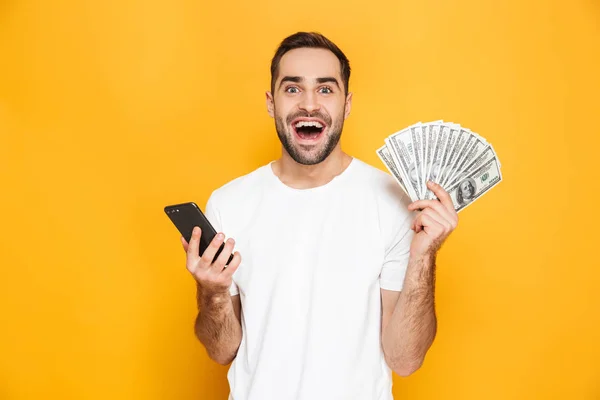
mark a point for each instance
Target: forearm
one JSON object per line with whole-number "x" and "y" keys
{"x": 412, "y": 326}
{"x": 217, "y": 327}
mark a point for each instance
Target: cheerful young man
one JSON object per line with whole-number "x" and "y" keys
{"x": 332, "y": 284}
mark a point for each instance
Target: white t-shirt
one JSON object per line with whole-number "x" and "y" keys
{"x": 313, "y": 263}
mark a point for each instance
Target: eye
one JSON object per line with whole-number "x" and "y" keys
{"x": 292, "y": 89}
{"x": 325, "y": 89}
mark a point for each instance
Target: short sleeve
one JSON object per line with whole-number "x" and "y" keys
{"x": 396, "y": 257}
{"x": 213, "y": 216}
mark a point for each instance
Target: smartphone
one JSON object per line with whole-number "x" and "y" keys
{"x": 185, "y": 217}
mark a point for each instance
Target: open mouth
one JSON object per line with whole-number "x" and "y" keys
{"x": 308, "y": 129}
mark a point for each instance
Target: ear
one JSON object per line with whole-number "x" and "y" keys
{"x": 270, "y": 104}
{"x": 348, "y": 105}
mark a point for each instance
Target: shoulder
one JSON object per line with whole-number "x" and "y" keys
{"x": 239, "y": 187}
{"x": 382, "y": 185}
{"x": 386, "y": 199}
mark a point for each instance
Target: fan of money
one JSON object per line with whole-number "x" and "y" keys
{"x": 459, "y": 160}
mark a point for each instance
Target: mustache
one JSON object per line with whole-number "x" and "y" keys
{"x": 317, "y": 114}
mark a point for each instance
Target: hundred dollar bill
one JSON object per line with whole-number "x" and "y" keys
{"x": 433, "y": 134}
{"x": 402, "y": 152}
{"x": 475, "y": 149}
{"x": 468, "y": 144}
{"x": 384, "y": 154}
{"x": 416, "y": 136}
{"x": 438, "y": 156}
{"x": 452, "y": 132}
{"x": 481, "y": 159}
{"x": 455, "y": 153}
{"x": 426, "y": 139}
{"x": 474, "y": 185}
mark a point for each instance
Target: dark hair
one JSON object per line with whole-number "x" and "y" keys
{"x": 312, "y": 40}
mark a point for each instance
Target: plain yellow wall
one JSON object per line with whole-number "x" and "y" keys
{"x": 110, "y": 110}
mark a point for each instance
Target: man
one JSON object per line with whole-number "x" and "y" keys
{"x": 332, "y": 286}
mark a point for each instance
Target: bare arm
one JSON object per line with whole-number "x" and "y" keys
{"x": 409, "y": 323}
{"x": 217, "y": 325}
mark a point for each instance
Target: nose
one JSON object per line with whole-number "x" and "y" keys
{"x": 309, "y": 102}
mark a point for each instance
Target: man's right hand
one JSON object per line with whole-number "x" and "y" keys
{"x": 214, "y": 278}
{"x": 217, "y": 325}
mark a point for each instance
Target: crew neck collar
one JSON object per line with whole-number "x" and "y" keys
{"x": 338, "y": 178}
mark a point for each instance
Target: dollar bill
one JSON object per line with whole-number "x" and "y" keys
{"x": 424, "y": 138}
{"x": 438, "y": 156}
{"x": 425, "y": 149}
{"x": 386, "y": 157}
{"x": 474, "y": 185}
{"x": 476, "y": 146}
{"x": 455, "y": 157}
{"x": 433, "y": 143}
{"x": 402, "y": 152}
{"x": 457, "y": 149}
{"x": 469, "y": 142}
{"x": 453, "y": 133}
{"x": 416, "y": 136}
{"x": 425, "y": 128}
{"x": 484, "y": 157}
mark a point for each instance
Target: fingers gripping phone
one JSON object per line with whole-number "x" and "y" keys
{"x": 185, "y": 217}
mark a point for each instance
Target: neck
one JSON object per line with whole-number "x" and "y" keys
{"x": 300, "y": 176}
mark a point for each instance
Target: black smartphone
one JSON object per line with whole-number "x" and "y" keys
{"x": 185, "y": 217}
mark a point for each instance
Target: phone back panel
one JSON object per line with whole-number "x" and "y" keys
{"x": 187, "y": 215}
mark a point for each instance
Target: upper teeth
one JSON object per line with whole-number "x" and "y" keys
{"x": 309, "y": 123}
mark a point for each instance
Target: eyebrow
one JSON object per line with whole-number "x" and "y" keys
{"x": 295, "y": 79}
{"x": 329, "y": 79}
{"x": 298, "y": 79}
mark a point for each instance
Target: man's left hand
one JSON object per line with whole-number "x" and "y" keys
{"x": 436, "y": 220}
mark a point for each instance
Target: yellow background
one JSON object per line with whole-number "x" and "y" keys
{"x": 111, "y": 110}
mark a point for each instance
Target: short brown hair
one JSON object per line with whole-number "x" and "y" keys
{"x": 312, "y": 40}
